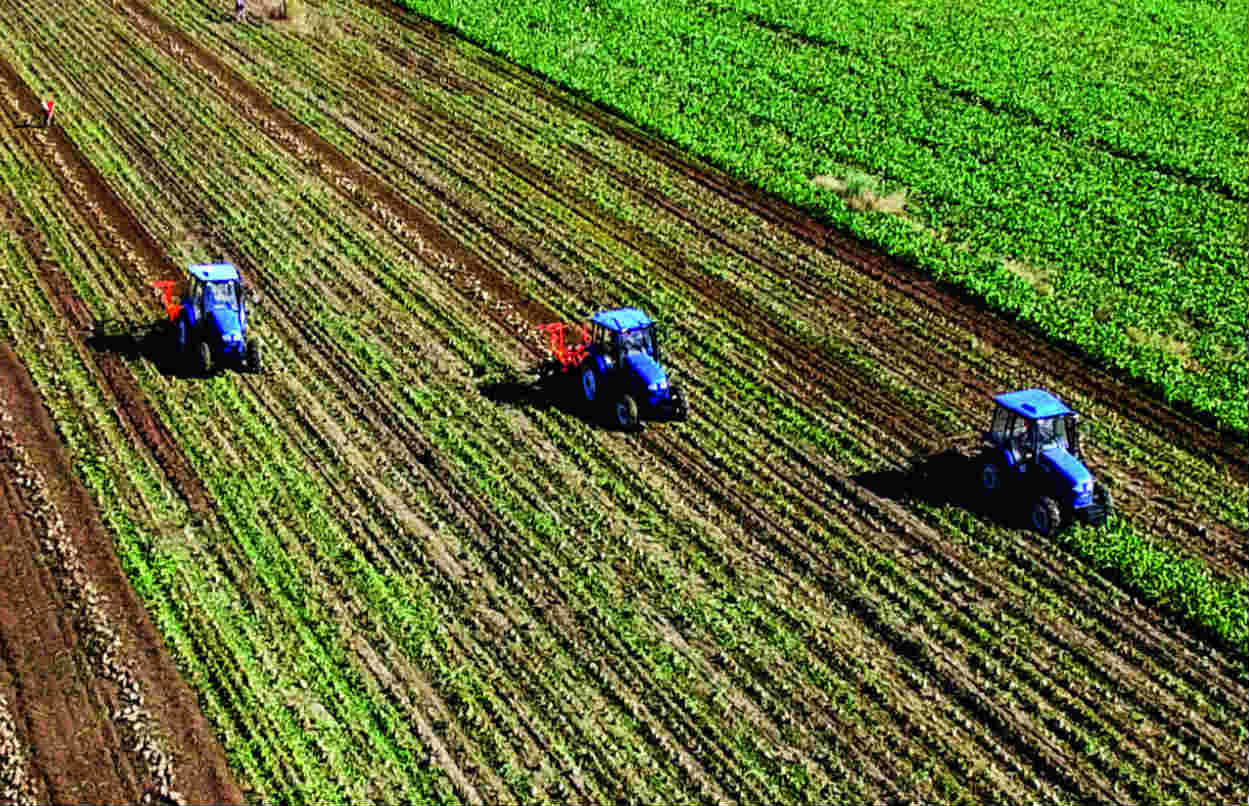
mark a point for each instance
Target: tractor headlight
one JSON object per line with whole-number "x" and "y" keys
{"x": 658, "y": 385}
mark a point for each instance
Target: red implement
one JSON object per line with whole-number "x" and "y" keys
{"x": 568, "y": 355}
{"x": 172, "y": 308}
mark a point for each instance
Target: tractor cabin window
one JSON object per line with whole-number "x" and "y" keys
{"x": 1018, "y": 438}
{"x": 997, "y": 431}
{"x": 223, "y": 294}
{"x": 638, "y": 340}
{"x": 1052, "y": 433}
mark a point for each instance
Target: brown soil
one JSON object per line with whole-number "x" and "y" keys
{"x": 64, "y": 708}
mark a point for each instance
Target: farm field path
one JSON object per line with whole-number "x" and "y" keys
{"x": 66, "y": 598}
{"x": 523, "y": 603}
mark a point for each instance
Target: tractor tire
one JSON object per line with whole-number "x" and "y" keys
{"x": 990, "y": 478}
{"x": 589, "y": 383}
{"x": 205, "y": 358}
{"x": 253, "y": 357}
{"x": 182, "y": 335}
{"x": 627, "y": 412}
{"x": 1102, "y": 496}
{"x": 1046, "y": 516}
{"x": 680, "y": 406}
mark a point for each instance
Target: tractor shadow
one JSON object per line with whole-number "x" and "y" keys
{"x": 152, "y": 342}
{"x": 948, "y": 478}
{"x": 548, "y": 390}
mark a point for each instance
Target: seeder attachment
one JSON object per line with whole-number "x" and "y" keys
{"x": 166, "y": 287}
{"x": 568, "y": 355}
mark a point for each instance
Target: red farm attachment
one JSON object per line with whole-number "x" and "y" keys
{"x": 568, "y": 356}
{"x": 172, "y": 307}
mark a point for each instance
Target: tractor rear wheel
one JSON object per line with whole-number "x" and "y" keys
{"x": 182, "y": 335}
{"x": 626, "y": 412}
{"x": 205, "y": 358}
{"x": 1046, "y": 516}
{"x": 589, "y": 383}
{"x": 253, "y": 356}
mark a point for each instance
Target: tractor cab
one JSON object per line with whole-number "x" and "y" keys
{"x": 1033, "y": 448}
{"x": 210, "y": 323}
{"x": 626, "y": 338}
{"x": 619, "y": 365}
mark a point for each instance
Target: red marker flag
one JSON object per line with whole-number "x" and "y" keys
{"x": 47, "y": 121}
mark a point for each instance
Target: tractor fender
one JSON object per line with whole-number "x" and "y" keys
{"x": 604, "y": 367}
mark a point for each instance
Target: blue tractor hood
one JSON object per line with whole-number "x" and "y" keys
{"x": 228, "y": 324}
{"x": 1070, "y": 468}
{"x": 645, "y": 368}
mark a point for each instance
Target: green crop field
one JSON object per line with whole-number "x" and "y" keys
{"x": 1084, "y": 166}
{"x": 392, "y": 569}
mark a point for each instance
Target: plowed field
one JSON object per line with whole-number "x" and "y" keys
{"x": 390, "y": 568}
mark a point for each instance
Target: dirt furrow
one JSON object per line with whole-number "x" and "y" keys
{"x": 118, "y": 722}
{"x": 85, "y": 188}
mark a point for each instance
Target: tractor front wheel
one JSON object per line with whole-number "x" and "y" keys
{"x": 253, "y": 356}
{"x": 626, "y": 412}
{"x": 680, "y": 407}
{"x": 1046, "y": 516}
{"x": 205, "y": 358}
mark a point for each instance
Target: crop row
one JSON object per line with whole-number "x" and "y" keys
{"x": 419, "y": 136}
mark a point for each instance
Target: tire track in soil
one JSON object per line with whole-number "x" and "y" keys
{"x": 87, "y": 191}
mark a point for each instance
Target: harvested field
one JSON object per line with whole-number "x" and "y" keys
{"x": 391, "y": 570}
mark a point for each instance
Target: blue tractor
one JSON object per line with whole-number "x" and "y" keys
{"x": 1031, "y": 457}
{"x": 617, "y": 361}
{"x": 210, "y": 321}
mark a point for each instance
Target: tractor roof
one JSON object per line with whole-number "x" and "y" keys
{"x": 621, "y": 319}
{"x": 214, "y": 272}
{"x": 1034, "y": 404}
